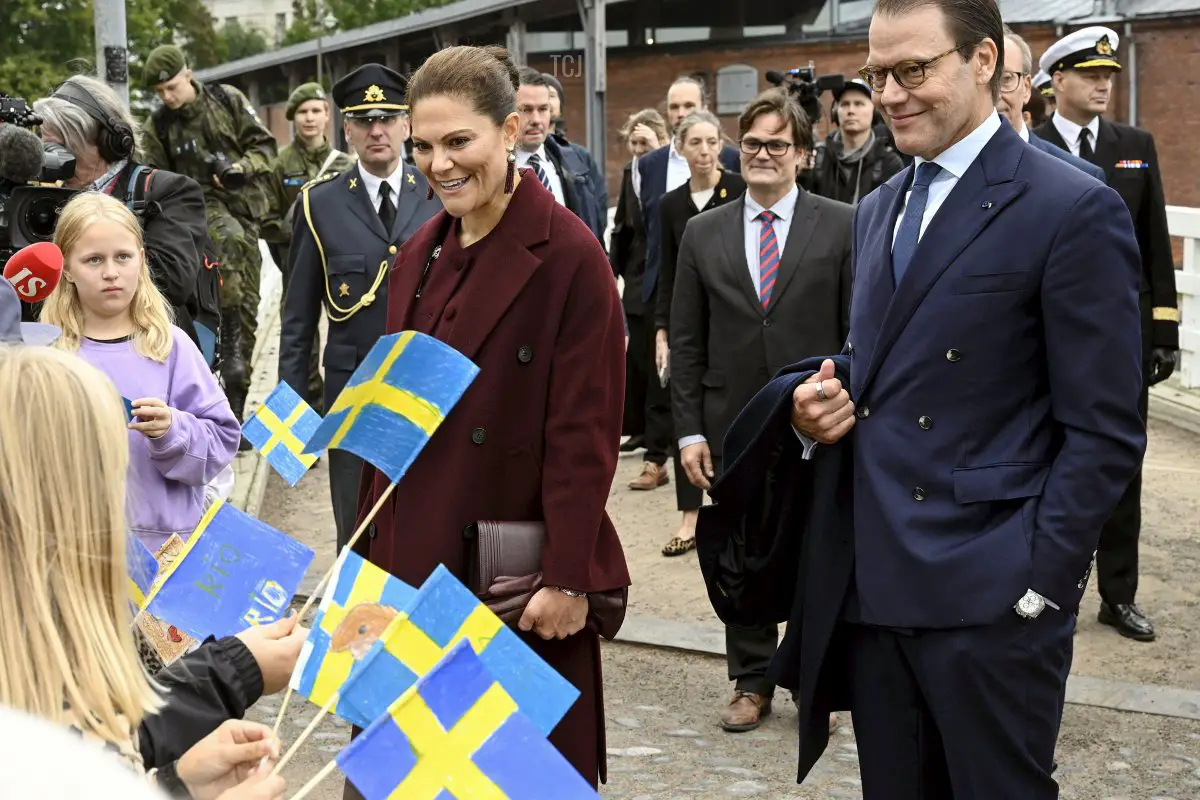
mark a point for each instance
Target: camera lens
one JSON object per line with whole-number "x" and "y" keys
{"x": 40, "y": 218}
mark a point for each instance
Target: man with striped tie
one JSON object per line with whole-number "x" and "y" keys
{"x": 759, "y": 283}
{"x": 567, "y": 171}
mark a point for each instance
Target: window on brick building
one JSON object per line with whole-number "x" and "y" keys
{"x": 737, "y": 85}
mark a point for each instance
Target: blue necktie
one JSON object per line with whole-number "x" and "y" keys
{"x": 768, "y": 257}
{"x": 910, "y": 227}
{"x": 535, "y": 164}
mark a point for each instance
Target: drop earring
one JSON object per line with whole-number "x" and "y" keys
{"x": 510, "y": 176}
{"x": 429, "y": 191}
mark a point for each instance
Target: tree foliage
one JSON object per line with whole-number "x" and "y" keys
{"x": 346, "y": 15}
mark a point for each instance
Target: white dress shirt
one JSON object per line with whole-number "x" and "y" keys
{"x": 1070, "y": 132}
{"x": 785, "y": 211}
{"x": 1024, "y": 133}
{"x": 954, "y": 163}
{"x": 678, "y": 172}
{"x": 548, "y": 167}
{"x": 372, "y": 183}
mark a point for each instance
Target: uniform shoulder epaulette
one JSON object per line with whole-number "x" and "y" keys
{"x": 322, "y": 178}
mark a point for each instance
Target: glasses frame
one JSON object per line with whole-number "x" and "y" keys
{"x": 924, "y": 64}
{"x": 768, "y": 145}
{"x": 1004, "y": 75}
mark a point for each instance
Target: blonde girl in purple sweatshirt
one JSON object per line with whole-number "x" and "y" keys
{"x": 183, "y": 432}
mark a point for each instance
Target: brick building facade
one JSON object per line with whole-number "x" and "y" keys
{"x": 1168, "y": 78}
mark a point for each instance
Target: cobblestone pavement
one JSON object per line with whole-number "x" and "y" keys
{"x": 663, "y": 740}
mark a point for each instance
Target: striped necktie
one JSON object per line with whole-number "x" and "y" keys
{"x": 768, "y": 256}
{"x": 535, "y": 164}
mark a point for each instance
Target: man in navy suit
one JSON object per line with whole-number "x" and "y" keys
{"x": 1016, "y": 87}
{"x": 988, "y": 397}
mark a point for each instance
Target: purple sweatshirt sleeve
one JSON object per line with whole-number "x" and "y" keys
{"x": 204, "y": 433}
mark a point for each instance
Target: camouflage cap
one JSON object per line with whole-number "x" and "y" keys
{"x": 304, "y": 92}
{"x": 163, "y": 63}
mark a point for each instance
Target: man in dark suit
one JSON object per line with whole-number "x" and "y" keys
{"x": 1082, "y": 65}
{"x": 990, "y": 379}
{"x": 1016, "y": 87}
{"x": 760, "y": 283}
{"x": 655, "y": 174}
{"x": 346, "y": 233}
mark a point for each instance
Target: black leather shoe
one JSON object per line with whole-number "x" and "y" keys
{"x": 634, "y": 443}
{"x": 1128, "y": 621}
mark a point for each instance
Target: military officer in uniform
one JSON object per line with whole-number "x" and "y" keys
{"x": 1082, "y": 66}
{"x": 308, "y": 157}
{"x": 346, "y": 234}
{"x": 212, "y": 134}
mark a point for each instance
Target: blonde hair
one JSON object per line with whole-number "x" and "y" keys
{"x": 66, "y": 647}
{"x": 149, "y": 310}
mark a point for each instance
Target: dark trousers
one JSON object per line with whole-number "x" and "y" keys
{"x": 1117, "y": 555}
{"x": 345, "y": 471}
{"x": 660, "y": 433}
{"x": 315, "y": 388}
{"x": 959, "y": 714}
{"x": 639, "y": 367}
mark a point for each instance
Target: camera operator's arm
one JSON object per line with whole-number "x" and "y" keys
{"x": 257, "y": 145}
{"x": 173, "y": 223}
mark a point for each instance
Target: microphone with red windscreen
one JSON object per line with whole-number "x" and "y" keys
{"x": 35, "y": 270}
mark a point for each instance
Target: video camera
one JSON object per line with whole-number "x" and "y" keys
{"x": 806, "y": 88}
{"x": 29, "y": 206}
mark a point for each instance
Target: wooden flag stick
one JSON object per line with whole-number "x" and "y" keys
{"x": 312, "y": 726}
{"x": 328, "y": 575}
{"x": 320, "y": 776}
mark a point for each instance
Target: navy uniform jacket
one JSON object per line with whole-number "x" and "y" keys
{"x": 996, "y": 390}
{"x": 342, "y": 257}
{"x": 1065, "y": 155}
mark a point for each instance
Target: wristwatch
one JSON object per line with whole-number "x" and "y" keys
{"x": 571, "y": 592}
{"x": 1032, "y": 604}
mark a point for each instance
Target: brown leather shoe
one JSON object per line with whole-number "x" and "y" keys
{"x": 652, "y": 477}
{"x": 745, "y": 711}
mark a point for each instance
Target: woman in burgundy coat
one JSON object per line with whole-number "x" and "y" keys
{"x": 522, "y": 288}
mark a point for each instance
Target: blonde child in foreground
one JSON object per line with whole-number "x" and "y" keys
{"x": 183, "y": 432}
{"x": 67, "y": 653}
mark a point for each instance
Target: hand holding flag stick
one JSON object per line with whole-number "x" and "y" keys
{"x": 391, "y": 406}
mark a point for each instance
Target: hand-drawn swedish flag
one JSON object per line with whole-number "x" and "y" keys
{"x": 279, "y": 429}
{"x": 458, "y": 734}
{"x": 395, "y": 400}
{"x": 443, "y": 614}
{"x": 359, "y": 603}
{"x": 142, "y": 567}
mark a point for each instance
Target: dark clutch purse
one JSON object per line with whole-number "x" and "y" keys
{"x": 504, "y": 560}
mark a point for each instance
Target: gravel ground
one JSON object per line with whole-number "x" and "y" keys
{"x": 663, "y": 705}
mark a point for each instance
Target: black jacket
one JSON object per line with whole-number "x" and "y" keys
{"x": 582, "y": 181}
{"x": 217, "y": 682}
{"x": 851, "y": 179}
{"x": 627, "y": 246}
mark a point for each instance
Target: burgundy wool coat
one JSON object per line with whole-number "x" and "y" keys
{"x": 535, "y": 437}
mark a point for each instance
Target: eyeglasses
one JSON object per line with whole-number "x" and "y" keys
{"x": 1010, "y": 80}
{"x": 909, "y": 74}
{"x": 774, "y": 148}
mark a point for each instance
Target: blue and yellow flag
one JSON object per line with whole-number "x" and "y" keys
{"x": 234, "y": 572}
{"x": 394, "y": 401}
{"x": 142, "y": 567}
{"x": 458, "y": 734}
{"x": 443, "y": 614}
{"x": 279, "y": 429}
{"x": 359, "y": 604}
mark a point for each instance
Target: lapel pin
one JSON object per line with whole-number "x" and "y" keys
{"x": 987, "y": 204}
{"x": 344, "y": 290}
{"x": 353, "y": 184}
{"x": 411, "y": 179}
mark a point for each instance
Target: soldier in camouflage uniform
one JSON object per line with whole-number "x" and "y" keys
{"x": 211, "y": 133}
{"x": 309, "y": 156}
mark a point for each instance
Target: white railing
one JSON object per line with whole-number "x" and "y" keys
{"x": 1185, "y": 223}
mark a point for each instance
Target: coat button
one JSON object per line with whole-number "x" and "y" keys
{"x": 918, "y": 494}
{"x": 392, "y": 250}
{"x": 953, "y": 355}
{"x": 849, "y": 348}
{"x": 863, "y": 412}
{"x": 925, "y": 422}
{"x": 479, "y": 436}
{"x": 372, "y": 531}
{"x": 525, "y": 354}
{"x": 767, "y": 323}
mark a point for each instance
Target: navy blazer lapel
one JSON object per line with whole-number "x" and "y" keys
{"x": 875, "y": 285}
{"x": 978, "y": 198}
{"x": 361, "y": 205}
{"x": 734, "y": 244}
{"x": 1107, "y": 145}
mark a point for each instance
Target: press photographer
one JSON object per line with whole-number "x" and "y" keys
{"x": 87, "y": 117}
{"x": 28, "y": 211}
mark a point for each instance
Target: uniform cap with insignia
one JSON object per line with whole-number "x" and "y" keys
{"x": 304, "y": 92}
{"x": 1087, "y": 48}
{"x": 372, "y": 90}
{"x": 1044, "y": 84}
{"x": 163, "y": 63}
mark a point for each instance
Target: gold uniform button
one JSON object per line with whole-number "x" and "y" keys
{"x": 392, "y": 250}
